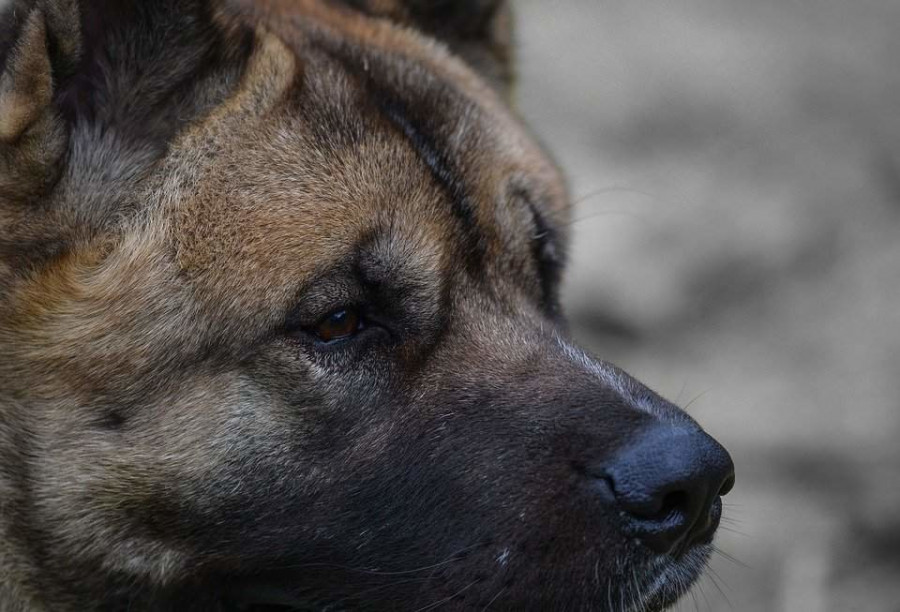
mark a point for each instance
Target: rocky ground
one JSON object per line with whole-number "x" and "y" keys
{"x": 737, "y": 246}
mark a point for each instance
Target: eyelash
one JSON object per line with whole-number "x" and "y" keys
{"x": 339, "y": 325}
{"x": 363, "y": 334}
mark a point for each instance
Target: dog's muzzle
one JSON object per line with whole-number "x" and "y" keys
{"x": 667, "y": 486}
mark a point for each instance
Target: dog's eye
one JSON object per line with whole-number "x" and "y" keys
{"x": 338, "y": 325}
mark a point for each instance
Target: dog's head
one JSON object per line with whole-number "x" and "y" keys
{"x": 279, "y": 327}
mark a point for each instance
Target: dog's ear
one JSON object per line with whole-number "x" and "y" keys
{"x": 41, "y": 45}
{"x": 480, "y": 31}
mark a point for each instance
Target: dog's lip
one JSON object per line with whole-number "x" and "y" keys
{"x": 665, "y": 577}
{"x": 672, "y": 576}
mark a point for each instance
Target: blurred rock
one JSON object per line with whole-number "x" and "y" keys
{"x": 736, "y": 244}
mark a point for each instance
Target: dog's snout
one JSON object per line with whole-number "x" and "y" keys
{"x": 667, "y": 486}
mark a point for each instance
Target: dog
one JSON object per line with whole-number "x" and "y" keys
{"x": 280, "y": 326}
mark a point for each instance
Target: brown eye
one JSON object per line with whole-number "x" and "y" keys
{"x": 338, "y": 325}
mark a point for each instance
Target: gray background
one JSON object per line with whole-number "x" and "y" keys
{"x": 736, "y": 165}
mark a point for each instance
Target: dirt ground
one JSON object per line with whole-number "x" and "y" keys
{"x": 737, "y": 246}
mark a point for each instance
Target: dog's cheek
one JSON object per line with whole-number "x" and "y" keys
{"x": 157, "y": 497}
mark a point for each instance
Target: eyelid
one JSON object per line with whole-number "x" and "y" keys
{"x": 548, "y": 257}
{"x": 318, "y": 302}
{"x": 351, "y": 317}
{"x": 368, "y": 329}
{"x": 351, "y": 344}
{"x": 336, "y": 310}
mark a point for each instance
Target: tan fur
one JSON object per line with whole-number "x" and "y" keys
{"x": 244, "y": 210}
{"x": 157, "y": 288}
{"x": 26, "y": 85}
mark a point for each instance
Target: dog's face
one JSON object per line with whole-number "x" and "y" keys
{"x": 280, "y": 328}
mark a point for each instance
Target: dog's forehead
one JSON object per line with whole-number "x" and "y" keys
{"x": 287, "y": 180}
{"x": 334, "y": 134}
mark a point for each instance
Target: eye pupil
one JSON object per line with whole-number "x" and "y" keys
{"x": 337, "y": 325}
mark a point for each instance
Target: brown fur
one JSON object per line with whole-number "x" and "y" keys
{"x": 159, "y": 223}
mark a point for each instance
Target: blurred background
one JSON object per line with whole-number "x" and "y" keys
{"x": 736, "y": 245}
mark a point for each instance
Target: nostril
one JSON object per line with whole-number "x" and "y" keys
{"x": 652, "y": 506}
{"x": 667, "y": 486}
{"x": 727, "y": 486}
{"x": 673, "y": 502}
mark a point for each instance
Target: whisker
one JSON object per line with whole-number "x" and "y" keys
{"x": 615, "y": 189}
{"x": 681, "y": 391}
{"x": 637, "y": 588}
{"x": 733, "y": 530}
{"x": 715, "y": 579}
{"x": 422, "y": 590}
{"x": 734, "y": 560}
{"x": 448, "y": 599}
{"x": 699, "y": 587}
{"x": 454, "y": 557}
{"x": 632, "y": 594}
{"x": 375, "y": 589}
{"x": 493, "y": 599}
{"x": 698, "y": 396}
{"x": 696, "y": 601}
{"x": 605, "y": 213}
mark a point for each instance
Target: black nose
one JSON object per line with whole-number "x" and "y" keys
{"x": 667, "y": 485}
